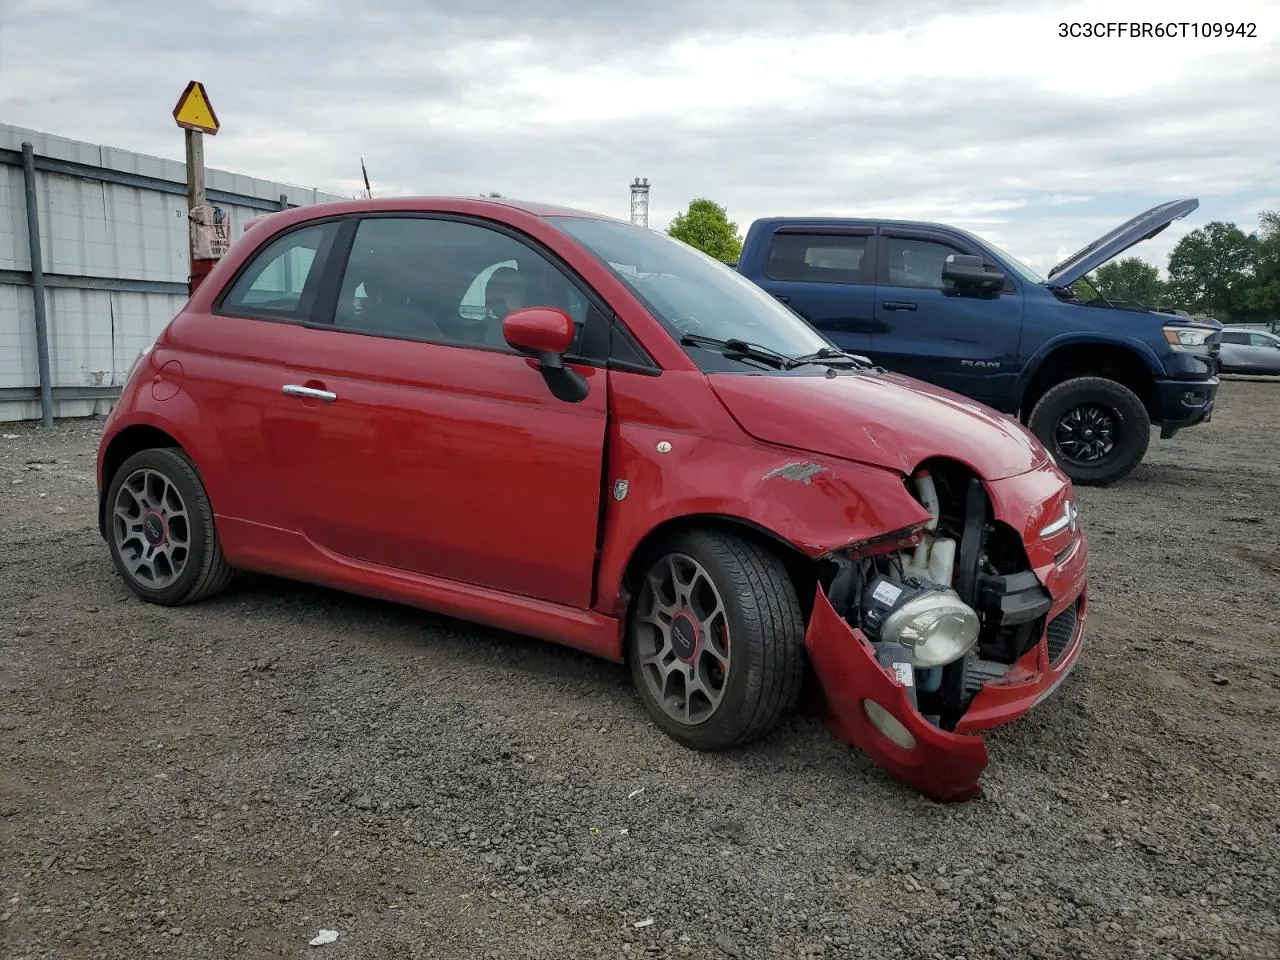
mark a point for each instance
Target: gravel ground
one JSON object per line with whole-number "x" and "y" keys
{"x": 226, "y": 780}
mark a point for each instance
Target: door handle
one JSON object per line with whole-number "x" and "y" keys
{"x": 899, "y": 305}
{"x": 312, "y": 393}
{"x": 783, "y": 297}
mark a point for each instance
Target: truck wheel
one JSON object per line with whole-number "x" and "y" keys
{"x": 160, "y": 529}
{"x": 715, "y": 640}
{"x": 1097, "y": 429}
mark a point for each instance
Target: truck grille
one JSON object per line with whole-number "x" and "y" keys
{"x": 1061, "y": 630}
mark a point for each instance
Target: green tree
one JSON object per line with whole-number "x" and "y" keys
{"x": 1263, "y": 297}
{"x": 1084, "y": 293}
{"x": 1211, "y": 270}
{"x": 706, "y": 226}
{"x": 1129, "y": 279}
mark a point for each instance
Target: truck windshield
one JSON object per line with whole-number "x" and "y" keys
{"x": 1025, "y": 272}
{"x": 688, "y": 291}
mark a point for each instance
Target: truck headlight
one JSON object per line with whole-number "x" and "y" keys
{"x": 929, "y": 619}
{"x": 1188, "y": 339}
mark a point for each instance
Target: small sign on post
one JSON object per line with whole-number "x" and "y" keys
{"x": 210, "y": 232}
{"x": 194, "y": 111}
{"x": 210, "y": 229}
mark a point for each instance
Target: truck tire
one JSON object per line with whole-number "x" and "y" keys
{"x": 1097, "y": 429}
{"x": 715, "y": 640}
{"x": 160, "y": 529}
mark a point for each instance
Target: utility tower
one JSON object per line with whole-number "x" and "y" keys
{"x": 640, "y": 202}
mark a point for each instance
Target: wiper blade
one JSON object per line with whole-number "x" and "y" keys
{"x": 740, "y": 348}
{"x": 826, "y": 355}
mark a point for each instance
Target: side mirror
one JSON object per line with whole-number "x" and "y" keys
{"x": 968, "y": 271}
{"x": 546, "y": 334}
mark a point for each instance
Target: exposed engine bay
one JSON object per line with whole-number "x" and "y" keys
{"x": 952, "y": 610}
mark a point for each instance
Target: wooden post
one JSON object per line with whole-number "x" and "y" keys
{"x": 195, "y": 168}
{"x": 195, "y": 198}
{"x": 194, "y": 113}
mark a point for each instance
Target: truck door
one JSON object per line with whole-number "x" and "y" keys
{"x": 827, "y": 275}
{"x": 966, "y": 342}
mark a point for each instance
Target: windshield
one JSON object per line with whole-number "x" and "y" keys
{"x": 1019, "y": 267}
{"x": 690, "y": 292}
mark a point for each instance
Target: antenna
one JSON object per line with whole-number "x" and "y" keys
{"x": 640, "y": 202}
{"x": 368, "y": 192}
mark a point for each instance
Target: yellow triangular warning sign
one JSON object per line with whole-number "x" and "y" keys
{"x": 194, "y": 111}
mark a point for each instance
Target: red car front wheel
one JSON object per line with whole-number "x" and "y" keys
{"x": 716, "y": 640}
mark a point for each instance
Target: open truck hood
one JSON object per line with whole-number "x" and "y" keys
{"x": 885, "y": 420}
{"x": 1142, "y": 227}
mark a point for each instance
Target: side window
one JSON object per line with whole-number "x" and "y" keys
{"x": 918, "y": 263}
{"x": 445, "y": 281}
{"x": 281, "y": 280}
{"x": 475, "y": 300}
{"x": 1232, "y": 337}
{"x": 1258, "y": 340}
{"x": 817, "y": 258}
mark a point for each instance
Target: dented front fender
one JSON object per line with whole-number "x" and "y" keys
{"x": 944, "y": 766}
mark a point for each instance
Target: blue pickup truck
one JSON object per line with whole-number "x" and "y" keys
{"x": 1089, "y": 377}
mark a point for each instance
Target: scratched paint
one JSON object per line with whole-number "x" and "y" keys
{"x": 804, "y": 472}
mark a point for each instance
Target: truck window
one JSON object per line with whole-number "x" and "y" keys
{"x": 918, "y": 263}
{"x": 817, "y": 258}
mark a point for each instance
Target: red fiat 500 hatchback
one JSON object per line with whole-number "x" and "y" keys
{"x": 572, "y": 427}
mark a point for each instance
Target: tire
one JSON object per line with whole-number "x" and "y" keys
{"x": 1075, "y": 411}
{"x": 196, "y": 568}
{"x": 764, "y": 643}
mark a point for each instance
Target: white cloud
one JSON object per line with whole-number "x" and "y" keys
{"x": 984, "y": 118}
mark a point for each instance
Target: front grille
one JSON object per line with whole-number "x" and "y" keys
{"x": 978, "y": 671}
{"x": 1061, "y": 629}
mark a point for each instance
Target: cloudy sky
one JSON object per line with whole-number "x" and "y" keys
{"x": 973, "y": 113}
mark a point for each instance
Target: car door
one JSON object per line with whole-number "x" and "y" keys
{"x": 231, "y": 367}
{"x": 1233, "y": 353}
{"x": 419, "y": 440}
{"x": 924, "y": 327}
{"x": 1264, "y": 353}
{"x": 827, "y": 276}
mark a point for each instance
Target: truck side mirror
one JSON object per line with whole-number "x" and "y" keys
{"x": 969, "y": 271}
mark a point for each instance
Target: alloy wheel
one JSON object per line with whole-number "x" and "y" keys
{"x": 151, "y": 528}
{"x": 683, "y": 639}
{"x": 1086, "y": 433}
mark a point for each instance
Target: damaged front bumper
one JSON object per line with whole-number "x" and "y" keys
{"x": 943, "y": 766}
{"x": 868, "y": 705}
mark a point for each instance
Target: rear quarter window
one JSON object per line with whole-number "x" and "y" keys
{"x": 280, "y": 281}
{"x": 817, "y": 258}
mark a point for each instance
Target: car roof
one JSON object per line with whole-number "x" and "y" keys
{"x": 427, "y": 204}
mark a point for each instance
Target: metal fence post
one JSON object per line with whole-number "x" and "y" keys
{"x": 37, "y": 285}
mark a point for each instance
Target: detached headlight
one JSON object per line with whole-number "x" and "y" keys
{"x": 1188, "y": 339}
{"x": 930, "y": 620}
